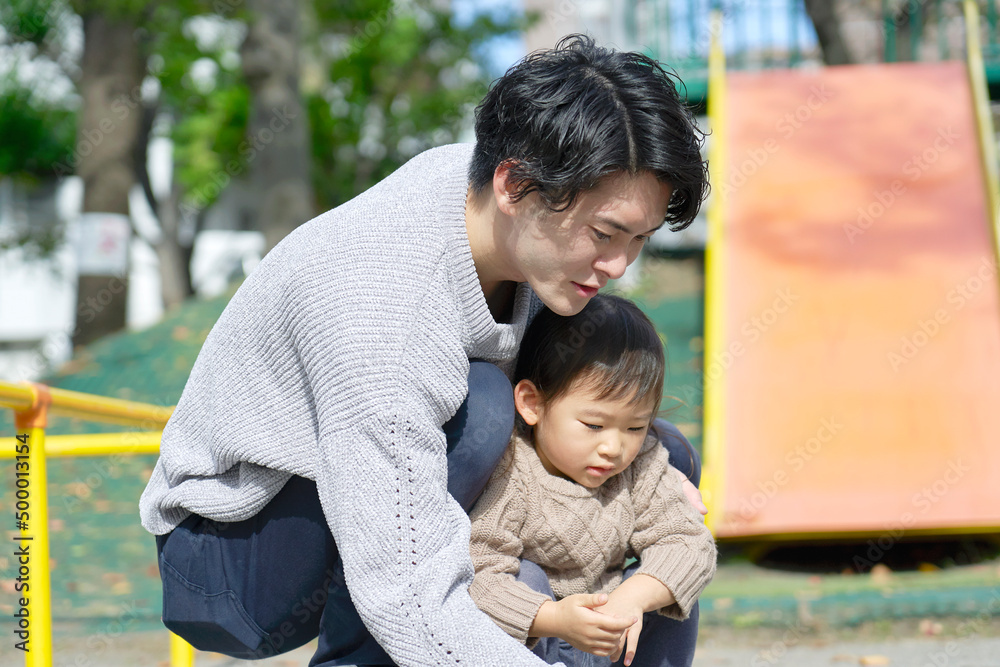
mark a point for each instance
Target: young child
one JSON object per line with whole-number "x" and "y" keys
{"x": 584, "y": 486}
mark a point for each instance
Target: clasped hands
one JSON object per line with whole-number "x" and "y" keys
{"x": 599, "y": 623}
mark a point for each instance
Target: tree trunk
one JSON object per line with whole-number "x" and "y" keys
{"x": 277, "y": 127}
{"x": 112, "y": 70}
{"x": 174, "y": 258}
{"x": 175, "y": 263}
{"x": 824, "y": 19}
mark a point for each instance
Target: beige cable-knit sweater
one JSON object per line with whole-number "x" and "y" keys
{"x": 581, "y": 537}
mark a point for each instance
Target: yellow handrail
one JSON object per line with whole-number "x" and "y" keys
{"x": 32, "y": 403}
{"x": 713, "y": 470}
{"x": 984, "y": 117}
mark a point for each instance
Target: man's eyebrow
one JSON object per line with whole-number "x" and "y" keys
{"x": 622, "y": 228}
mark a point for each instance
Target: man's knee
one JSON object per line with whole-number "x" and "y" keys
{"x": 534, "y": 577}
{"x": 490, "y": 406}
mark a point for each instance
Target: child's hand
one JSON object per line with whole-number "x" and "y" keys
{"x": 575, "y": 620}
{"x": 622, "y": 608}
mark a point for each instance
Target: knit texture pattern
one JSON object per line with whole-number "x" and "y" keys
{"x": 338, "y": 359}
{"x": 581, "y": 537}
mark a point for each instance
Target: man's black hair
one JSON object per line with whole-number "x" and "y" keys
{"x": 565, "y": 118}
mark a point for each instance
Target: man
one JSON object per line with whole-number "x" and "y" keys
{"x": 352, "y": 398}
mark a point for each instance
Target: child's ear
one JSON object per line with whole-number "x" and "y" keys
{"x": 528, "y": 401}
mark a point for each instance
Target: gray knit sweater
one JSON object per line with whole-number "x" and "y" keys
{"x": 338, "y": 359}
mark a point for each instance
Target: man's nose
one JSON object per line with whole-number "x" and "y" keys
{"x": 614, "y": 264}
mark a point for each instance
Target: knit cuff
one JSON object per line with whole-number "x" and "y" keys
{"x": 512, "y": 607}
{"x": 685, "y": 573}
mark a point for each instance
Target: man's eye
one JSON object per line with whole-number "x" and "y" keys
{"x": 601, "y": 236}
{"x": 641, "y": 238}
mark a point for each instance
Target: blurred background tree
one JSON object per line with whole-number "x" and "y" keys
{"x": 310, "y": 103}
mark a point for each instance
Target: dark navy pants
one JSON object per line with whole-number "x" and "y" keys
{"x": 269, "y": 584}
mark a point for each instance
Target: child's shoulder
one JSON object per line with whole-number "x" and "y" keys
{"x": 652, "y": 448}
{"x": 651, "y": 461}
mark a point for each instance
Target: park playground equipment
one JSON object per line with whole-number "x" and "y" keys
{"x": 852, "y": 305}
{"x": 30, "y": 450}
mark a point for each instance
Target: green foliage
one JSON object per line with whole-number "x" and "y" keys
{"x": 401, "y": 79}
{"x": 34, "y": 21}
{"x": 34, "y": 138}
{"x": 209, "y": 122}
{"x": 382, "y": 81}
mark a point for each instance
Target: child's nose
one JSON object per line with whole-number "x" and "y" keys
{"x": 612, "y": 446}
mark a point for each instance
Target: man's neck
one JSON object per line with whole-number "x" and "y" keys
{"x": 482, "y": 218}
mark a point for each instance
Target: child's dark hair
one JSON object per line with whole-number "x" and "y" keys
{"x": 610, "y": 342}
{"x": 565, "y": 118}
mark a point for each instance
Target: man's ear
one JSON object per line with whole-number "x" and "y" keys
{"x": 504, "y": 188}
{"x": 527, "y": 401}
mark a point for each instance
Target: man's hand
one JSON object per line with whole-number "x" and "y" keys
{"x": 575, "y": 620}
{"x": 691, "y": 491}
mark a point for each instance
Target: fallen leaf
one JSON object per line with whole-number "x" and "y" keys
{"x": 103, "y": 505}
{"x": 881, "y": 573}
{"x": 112, "y": 577}
{"x": 930, "y": 627}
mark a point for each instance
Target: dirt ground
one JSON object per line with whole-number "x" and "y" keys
{"x": 958, "y": 642}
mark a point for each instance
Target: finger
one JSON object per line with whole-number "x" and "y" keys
{"x": 600, "y": 648}
{"x": 591, "y": 601}
{"x": 616, "y": 624}
{"x": 632, "y": 643}
{"x": 694, "y": 496}
{"x": 618, "y": 650}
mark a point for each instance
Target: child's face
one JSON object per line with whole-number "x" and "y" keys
{"x": 583, "y": 438}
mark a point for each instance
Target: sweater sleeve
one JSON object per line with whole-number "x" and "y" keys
{"x": 496, "y": 548}
{"x": 671, "y": 541}
{"x": 386, "y": 370}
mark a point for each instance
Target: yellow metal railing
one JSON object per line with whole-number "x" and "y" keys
{"x": 32, "y": 403}
{"x": 984, "y": 117}
{"x": 713, "y": 471}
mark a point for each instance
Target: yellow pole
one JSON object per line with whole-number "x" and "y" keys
{"x": 181, "y": 653}
{"x": 34, "y": 599}
{"x": 714, "y": 390}
{"x": 984, "y": 118}
{"x": 93, "y": 444}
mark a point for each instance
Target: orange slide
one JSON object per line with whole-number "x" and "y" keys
{"x": 858, "y": 347}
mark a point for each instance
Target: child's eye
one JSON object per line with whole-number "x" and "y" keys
{"x": 637, "y": 428}
{"x": 601, "y": 236}
{"x": 592, "y": 427}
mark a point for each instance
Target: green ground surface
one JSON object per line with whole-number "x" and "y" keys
{"x": 104, "y": 567}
